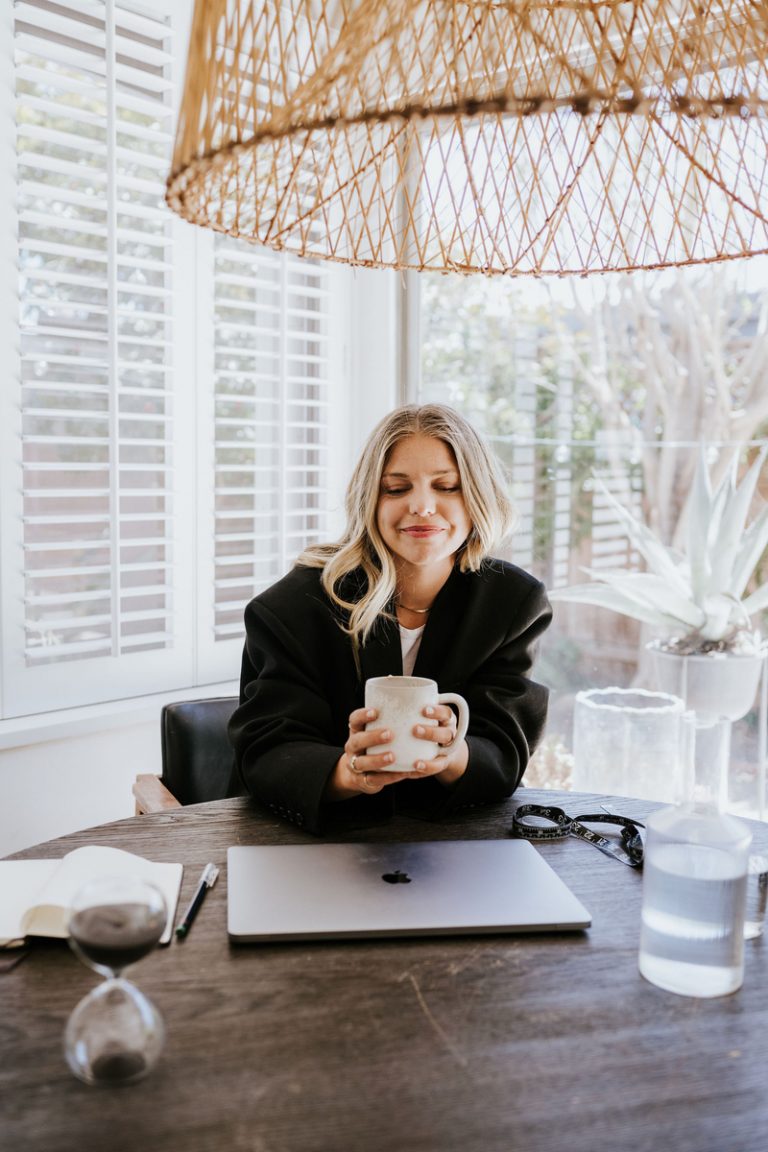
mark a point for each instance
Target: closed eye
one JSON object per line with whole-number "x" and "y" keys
{"x": 437, "y": 488}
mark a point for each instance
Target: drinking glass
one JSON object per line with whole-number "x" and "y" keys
{"x": 625, "y": 742}
{"x": 115, "y": 1034}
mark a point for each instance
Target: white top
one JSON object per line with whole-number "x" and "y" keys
{"x": 410, "y": 638}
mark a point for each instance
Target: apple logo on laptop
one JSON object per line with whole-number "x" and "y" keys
{"x": 396, "y": 877}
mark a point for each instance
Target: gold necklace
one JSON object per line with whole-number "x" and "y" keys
{"x": 418, "y": 611}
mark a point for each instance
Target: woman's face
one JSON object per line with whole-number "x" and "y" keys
{"x": 421, "y": 513}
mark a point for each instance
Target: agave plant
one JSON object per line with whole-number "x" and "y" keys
{"x": 696, "y": 598}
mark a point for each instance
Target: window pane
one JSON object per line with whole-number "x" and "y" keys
{"x": 619, "y": 382}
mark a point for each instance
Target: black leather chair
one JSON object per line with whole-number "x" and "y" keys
{"x": 197, "y": 758}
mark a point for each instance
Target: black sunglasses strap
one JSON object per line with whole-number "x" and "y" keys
{"x": 610, "y": 818}
{"x": 561, "y": 822}
{"x": 606, "y": 846}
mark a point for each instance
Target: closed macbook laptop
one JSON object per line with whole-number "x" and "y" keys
{"x": 433, "y": 888}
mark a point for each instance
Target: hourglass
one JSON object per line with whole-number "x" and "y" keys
{"x": 115, "y": 1034}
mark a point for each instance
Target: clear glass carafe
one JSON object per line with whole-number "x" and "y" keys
{"x": 695, "y": 874}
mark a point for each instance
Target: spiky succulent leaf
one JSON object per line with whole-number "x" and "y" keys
{"x": 757, "y": 602}
{"x": 720, "y": 498}
{"x": 656, "y": 593}
{"x": 616, "y": 600}
{"x": 721, "y": 615}
{"x": 725, "y": 546}
{"x": 659, "y": 558}
{"x": 699, "y": 518}
{"x": 753, "y": 543}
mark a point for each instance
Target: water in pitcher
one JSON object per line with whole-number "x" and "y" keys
{"x": 691, "y": 939}
{"x": 695, "y": 873}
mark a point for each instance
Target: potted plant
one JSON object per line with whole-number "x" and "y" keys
{"x": 708, "y": 652}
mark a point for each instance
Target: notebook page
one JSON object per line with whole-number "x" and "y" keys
{"x": 21, "y": 882}
{"x": 93, "y": 862}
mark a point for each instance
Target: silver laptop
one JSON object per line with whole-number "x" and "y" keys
{"x": 434, "y": 888}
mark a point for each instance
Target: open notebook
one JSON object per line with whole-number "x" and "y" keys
{"x": 35, "y": 895}
{"x": 451, "y": 887}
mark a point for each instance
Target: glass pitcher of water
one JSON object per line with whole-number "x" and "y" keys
{"x": 695, "y": 873}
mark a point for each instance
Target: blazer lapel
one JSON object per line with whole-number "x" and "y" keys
{"x": 382, "y": 655}
{"x": 439, "y": 638}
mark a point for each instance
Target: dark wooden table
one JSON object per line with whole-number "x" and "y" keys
{"x": 542, "y": 1043}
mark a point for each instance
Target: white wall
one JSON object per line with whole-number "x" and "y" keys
{"x": 63, "y": 771}
{"x": 62, "y": 785}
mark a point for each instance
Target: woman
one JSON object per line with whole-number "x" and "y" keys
{"x": 410, "y": 588}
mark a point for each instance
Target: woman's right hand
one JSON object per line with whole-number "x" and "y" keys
{"x": 359, "y": 772}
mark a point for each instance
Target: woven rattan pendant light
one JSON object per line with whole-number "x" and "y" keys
{"x": 526, "y": 136}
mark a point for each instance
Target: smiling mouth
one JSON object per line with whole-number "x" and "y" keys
{"x": 421, "y": 532}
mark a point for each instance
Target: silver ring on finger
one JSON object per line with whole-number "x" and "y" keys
{"x": 352, "y": 762}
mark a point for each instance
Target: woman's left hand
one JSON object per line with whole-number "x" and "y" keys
{"x": 357, "y": 771}
{"x": 448, "y": 761}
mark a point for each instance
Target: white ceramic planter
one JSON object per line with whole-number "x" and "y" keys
{"x": 720, "y": 684}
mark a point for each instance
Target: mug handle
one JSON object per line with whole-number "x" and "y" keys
{"x": 463, "y": 721}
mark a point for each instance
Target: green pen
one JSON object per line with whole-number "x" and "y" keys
{"x": 207, "y": 880}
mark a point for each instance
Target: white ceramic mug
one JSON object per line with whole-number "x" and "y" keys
{"x": 400, "y": 702}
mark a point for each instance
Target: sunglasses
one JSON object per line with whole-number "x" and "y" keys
{"x": 629, "y": 848}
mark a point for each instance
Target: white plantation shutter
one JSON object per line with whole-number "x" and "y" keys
{"x": 272, "y": 369}
{"x": 93, "y": 86}
{"x": 165, "y": 424}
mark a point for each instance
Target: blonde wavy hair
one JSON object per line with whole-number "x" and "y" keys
{"x": 362, "y": 547}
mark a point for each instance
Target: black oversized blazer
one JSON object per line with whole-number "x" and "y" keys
{"x": 299, "y": 684}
